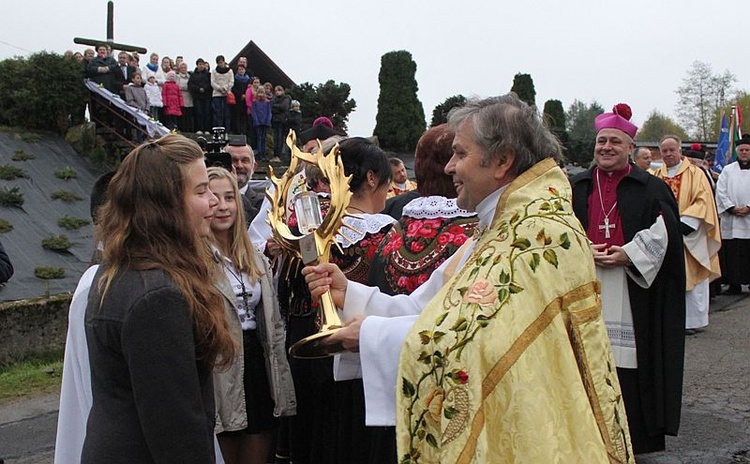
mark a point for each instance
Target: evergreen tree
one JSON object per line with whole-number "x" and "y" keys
{"x": 582, "y": 135}
{"x": 440, "y": 113}
{"x": 400, "y": 120}
{"x": 329, "y": 99}
{"x": 523, "y": 86}
{"x": 554, "y": 117}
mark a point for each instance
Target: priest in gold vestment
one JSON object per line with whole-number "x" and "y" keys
{"x": 700, "y": 224}
{"x": 505, "y": 357}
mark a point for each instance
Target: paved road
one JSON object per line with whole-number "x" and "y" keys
{"x": 715, "y": 426}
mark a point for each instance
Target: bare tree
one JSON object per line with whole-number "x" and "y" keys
{"x": 701, "y": 94}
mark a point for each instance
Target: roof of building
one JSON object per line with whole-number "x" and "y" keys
{"x": 262, "y": 66}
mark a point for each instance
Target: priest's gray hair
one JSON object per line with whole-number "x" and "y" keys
{"x": 506, "y": 124}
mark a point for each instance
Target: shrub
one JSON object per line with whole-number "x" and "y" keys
{"x": 11, "y": 197}
{"x": 72, "y": 223}
{"x": 56, "y": 243}
{"x": 66, "y": 196}
{"x": 66, "y": 173}
{"x": 49, "y": 272}
{"x": 10, "y": 172}
{"x": 5, "y": 226}
{"x": 29, "y": 137}
{"x": 21, "y": 155}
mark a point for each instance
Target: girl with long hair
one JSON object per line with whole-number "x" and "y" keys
{"x": 257, "y": 388}
{"x": 155, "y": 323}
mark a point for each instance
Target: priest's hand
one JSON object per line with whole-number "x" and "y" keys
{"x": 741, "y": 211}
{"x": 609, "y": 256}
{"x": 348, "y": 336}
{"x": 325, "y": 277}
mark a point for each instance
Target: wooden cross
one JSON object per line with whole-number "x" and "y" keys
{"x": 110, "y": 35}
{"x": 606, "y": 226}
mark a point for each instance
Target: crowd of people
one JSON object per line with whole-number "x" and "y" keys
{"x": 493, "y": 310}
{"x": 198, "y": 100}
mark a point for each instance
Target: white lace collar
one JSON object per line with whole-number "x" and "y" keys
{"x": 359, "y": 226}
{"x": 434, "y": 207}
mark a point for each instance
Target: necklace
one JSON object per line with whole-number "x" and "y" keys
{"x": 245, "y": 295}
{"x": 357, "y": 209}
{"x": 606, "y": 226}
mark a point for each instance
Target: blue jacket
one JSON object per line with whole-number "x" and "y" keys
{"x": 261, "y": 113}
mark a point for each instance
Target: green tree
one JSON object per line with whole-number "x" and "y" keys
{"x": 554, "y": 117}
{"x": 41, "y": 92}
{"x": 329, "y": 99}
{"x": 400, "y": 120}
{"x": 523, "y": 86}
{"x": 581, "y": 132}
{"x": 702, "y": 92}
{"x": 440, "y": 113}
{"x": 657, "y": 125}
{"x": 741, "y": 99}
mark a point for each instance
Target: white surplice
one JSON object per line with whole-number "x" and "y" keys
{"x": 646, "y": 251}
{"x": 389, "y": 320}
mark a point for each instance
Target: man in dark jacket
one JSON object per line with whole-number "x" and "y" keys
{"x": 243, "y": 161}
{"x": 101, "y": 69}
{"x": 279, "y": 111}
{"x": 199, "y": 86}
{"x": 123, "y": 74}
{"x": 631, "y": 220}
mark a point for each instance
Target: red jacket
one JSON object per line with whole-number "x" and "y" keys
{"x": 172, "y": 98}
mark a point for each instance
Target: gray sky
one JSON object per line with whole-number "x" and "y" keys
{"x": 636, "y": 52}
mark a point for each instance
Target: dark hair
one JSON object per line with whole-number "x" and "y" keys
{"x": 434, "y": 149}
{"x": 361, "y": 156}
{"x": 219, "y": 58}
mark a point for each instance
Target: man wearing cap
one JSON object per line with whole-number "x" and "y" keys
{"x": 699, "y": 224}
{"x": 733, "y": 203}
{"x": 631, "y": 220}
{"x": 697, "y": 156}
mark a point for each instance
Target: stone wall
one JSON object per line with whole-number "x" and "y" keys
{"x": 31, "y": 327}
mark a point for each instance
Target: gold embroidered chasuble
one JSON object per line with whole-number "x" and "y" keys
{"x": 695, "y": 199}
{"x": 510, "y": 361}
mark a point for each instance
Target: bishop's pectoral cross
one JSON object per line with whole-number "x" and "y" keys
{"x": 606, "y": 226}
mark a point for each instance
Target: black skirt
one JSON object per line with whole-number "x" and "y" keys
{"x": 258, "y": 400}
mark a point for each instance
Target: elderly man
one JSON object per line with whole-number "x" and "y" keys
{"x": 630, "y": 218}
{"x": 642, "y": 158}
{"x": 699, "y": 223}
{"x": 401, "y": 183}
{"x": 243, "y": 161}
{"x": 510, "y": 319}
{"x": 733, "y": 202}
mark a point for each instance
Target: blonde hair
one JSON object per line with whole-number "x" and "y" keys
{"x": 241, "y": 250}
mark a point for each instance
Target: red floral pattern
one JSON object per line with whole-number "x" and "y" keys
{"x": 414, "y": 248}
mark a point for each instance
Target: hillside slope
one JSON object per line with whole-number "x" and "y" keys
{"x": 38, "y": 217}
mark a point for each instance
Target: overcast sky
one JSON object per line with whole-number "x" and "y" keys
{"x": 636, "y": 52}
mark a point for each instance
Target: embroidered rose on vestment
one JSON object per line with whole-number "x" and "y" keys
{"x": 481, "y": 292}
